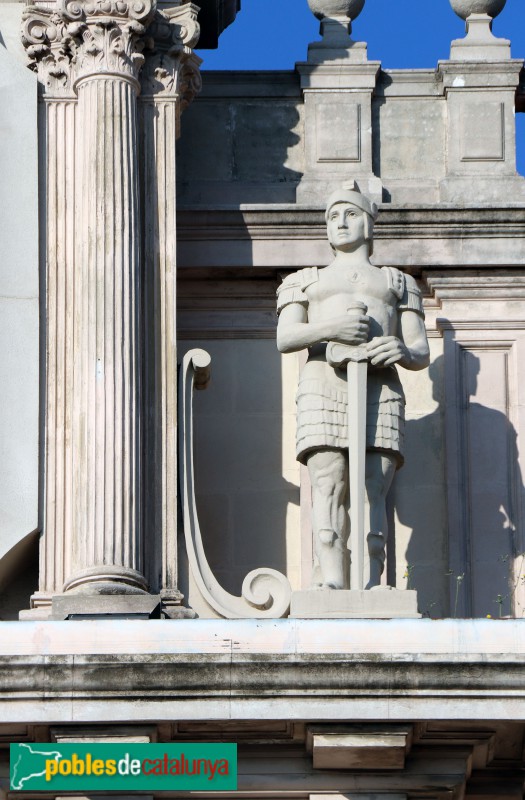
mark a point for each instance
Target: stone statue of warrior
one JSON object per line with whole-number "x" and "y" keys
{"x": 351, "y": 302}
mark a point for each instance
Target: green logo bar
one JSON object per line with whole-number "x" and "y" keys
{"x": 118, "y": 767}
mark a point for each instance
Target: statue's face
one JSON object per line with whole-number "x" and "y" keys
{"x": 346, "y": 227}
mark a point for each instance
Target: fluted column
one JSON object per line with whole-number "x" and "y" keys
{"x": 44, "y": 35}
{"x": 107, "y": 547}
{"x": 88, "y": 57}
{"x": 103, "y": 256}
{"x": 170, "y": 79}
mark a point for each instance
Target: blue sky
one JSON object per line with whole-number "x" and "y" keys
{"x": 274, "y": 34}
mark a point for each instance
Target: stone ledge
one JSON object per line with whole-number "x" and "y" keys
{"x": 425, "y": 639}
{"x": 286, "y": 669}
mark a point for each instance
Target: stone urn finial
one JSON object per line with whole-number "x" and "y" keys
{"x": 479, "y": 44}
{"x": 336, "y": 8}
{"x": 336, "y": 26}
{"x": 464, "y": 8}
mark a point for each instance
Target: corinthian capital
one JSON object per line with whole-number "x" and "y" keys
{"x": 48, "y": 47}
{"x": 172, "y": 68}
{"x": 84, "y": 38}
{"x": 107, "y": 35}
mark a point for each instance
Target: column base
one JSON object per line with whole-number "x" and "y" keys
{"x": 40, "y": 607}
{"x": 379, "y": 603}
{"x": 107, "y": 580}
{"x": 172, "y": 607}
{"x": 72, "y": 605}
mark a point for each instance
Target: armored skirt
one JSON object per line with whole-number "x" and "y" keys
{"x": 322, "y": 406}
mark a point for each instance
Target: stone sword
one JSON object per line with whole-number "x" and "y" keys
{"x": 355, "y": 358}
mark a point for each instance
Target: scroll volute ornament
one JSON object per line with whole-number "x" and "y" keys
{"x": 184, "y": 20}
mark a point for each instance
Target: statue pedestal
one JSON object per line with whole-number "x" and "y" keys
{"x": 379, "y": 603}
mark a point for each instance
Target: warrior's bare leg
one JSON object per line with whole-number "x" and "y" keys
{"x": 380, "y": 470}
{"x": 329, "y": 477}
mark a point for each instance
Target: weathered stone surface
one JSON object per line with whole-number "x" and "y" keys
{"x": 402, "y": 156}
{"x": 481, "y": 134}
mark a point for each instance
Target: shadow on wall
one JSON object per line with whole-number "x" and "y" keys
{"x": 475, "y": 555}
{"x": 18, "y": 577}
{"x": 254, "y": 155}
{"x": 419, "y": 503}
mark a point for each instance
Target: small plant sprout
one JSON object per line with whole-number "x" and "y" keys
{"x": 459, "y": 581}
{"x": 408, "y": 574}
{"x": 499, "y": 601}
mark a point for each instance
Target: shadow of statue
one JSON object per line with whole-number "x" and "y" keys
{"x": 418, "y": 502}
{"x": 463, "y": 498}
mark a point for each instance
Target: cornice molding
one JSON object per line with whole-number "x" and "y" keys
{"x": 306, "y": 686}
{"x": 303, "y": 669}
{"x": 414, "y": 238}
{"x": 249, "y": 221}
